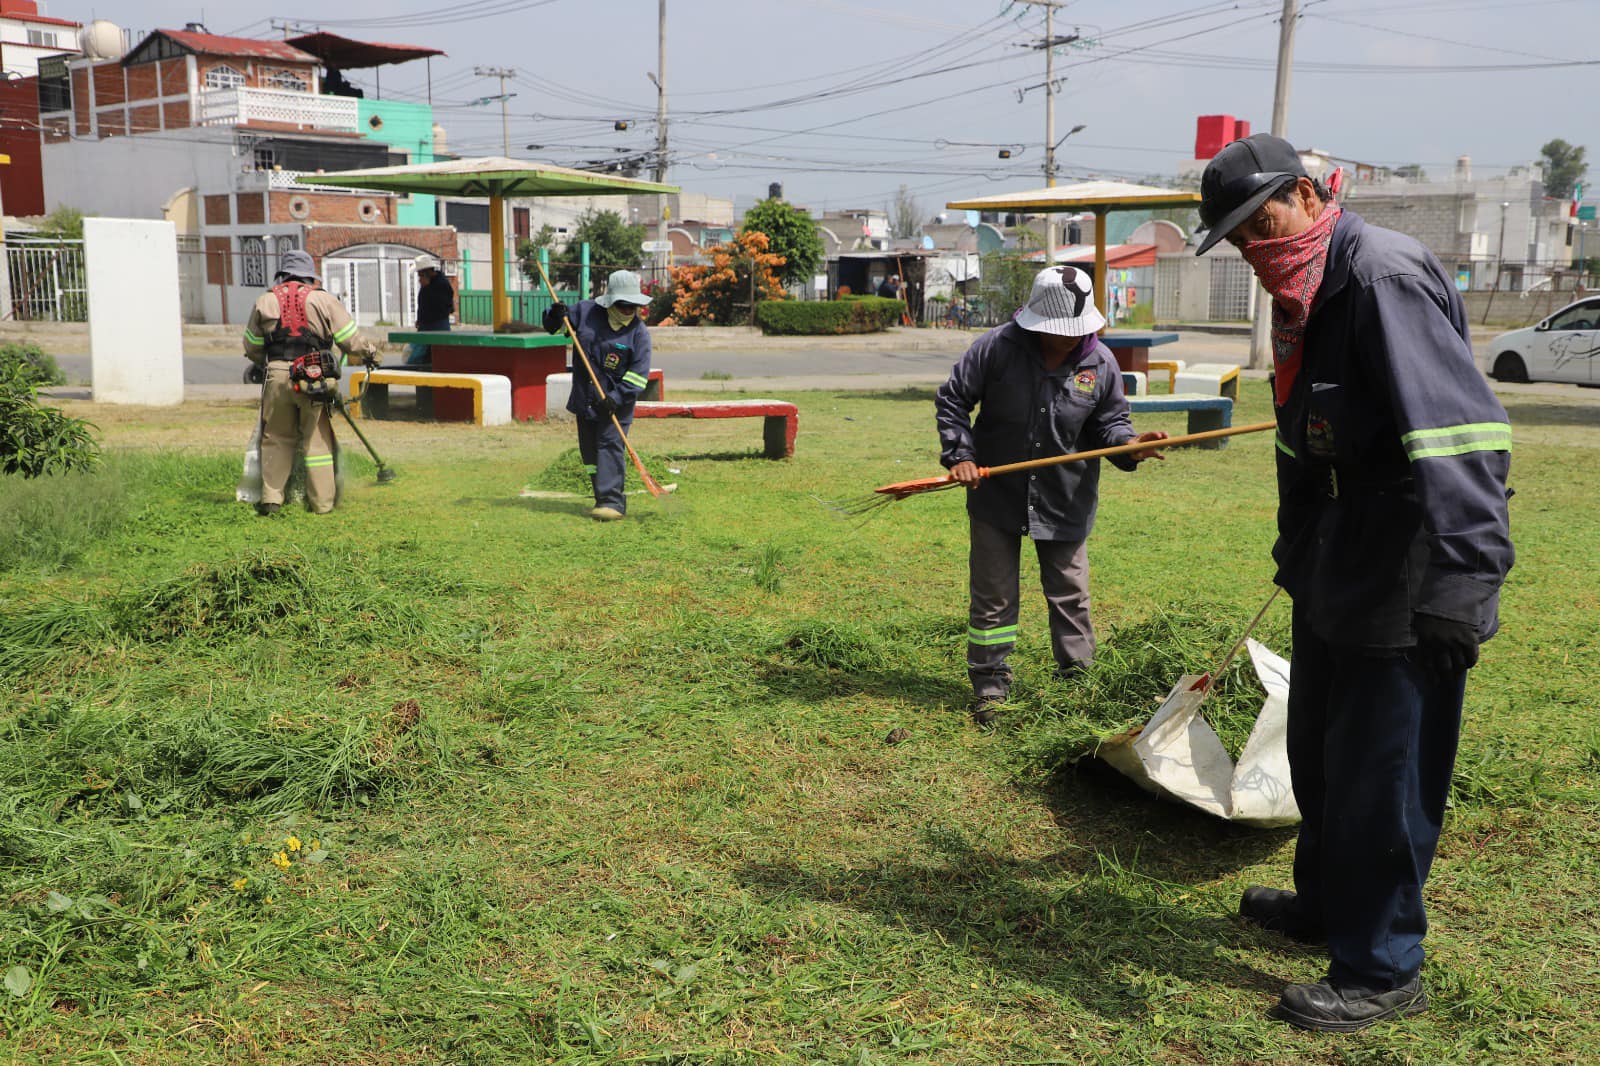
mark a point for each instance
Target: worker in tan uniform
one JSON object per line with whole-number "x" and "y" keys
{"x": 292, "y": 333}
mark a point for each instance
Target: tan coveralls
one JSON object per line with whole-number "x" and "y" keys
{"x": 289, "y": 419}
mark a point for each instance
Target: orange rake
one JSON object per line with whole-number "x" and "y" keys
{"x": 651, "y": 485}
{"x": 884, "y": 495}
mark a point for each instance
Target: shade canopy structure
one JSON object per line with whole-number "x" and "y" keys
{"x": 1099, "y": 197}
{"x": 493, "y": 177}
{"x": 348, "y": 54}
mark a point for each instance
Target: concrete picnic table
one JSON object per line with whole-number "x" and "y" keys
{"x": 528, "y": 359}
{"x": 1132, "y": 347}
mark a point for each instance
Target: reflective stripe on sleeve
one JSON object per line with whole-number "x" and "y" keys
{"x": 990, "y": 637}
{"x": 345, "y": 333}
{"x": 1457, "y": 440}
{"x": 1282, "y": 447}
{"x": 251, "y": 338}
{"x": 635, "y": 380}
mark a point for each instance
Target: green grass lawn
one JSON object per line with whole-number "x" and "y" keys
{"x": 458, "y": 776}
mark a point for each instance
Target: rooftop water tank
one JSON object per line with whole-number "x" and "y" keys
{"x": 101, "y": 39}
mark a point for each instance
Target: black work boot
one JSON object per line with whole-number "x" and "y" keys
{"x": 1330, "y": 1008}
{"x": 266, "y": 510}
{"x": 1278, "y": 909}
{"x": 986, "y": 708}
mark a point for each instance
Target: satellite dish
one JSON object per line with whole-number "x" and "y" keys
{"x": 101, "y": 39}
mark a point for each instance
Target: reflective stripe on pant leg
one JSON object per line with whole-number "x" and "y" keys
{"x": 587, "y": 447}
{"x": 1064, "y": 574}
{"x": 992, "y": 562}
{"x": 280, "y": 432}
{"x": 316, "y": 426}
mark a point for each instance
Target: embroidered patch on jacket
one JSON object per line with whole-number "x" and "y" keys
{"x": 1319, "y": 436}
{"x": 613, "y": 360}
{"x": 1084, "y": 382}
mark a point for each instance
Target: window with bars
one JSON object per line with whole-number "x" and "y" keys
{"x": 223, "y": 77}
{"x": 282, "y": 245}
{"x": 255, "y": 262}
{"x": 43, "y": 38}
{"x": 290, "y": 80}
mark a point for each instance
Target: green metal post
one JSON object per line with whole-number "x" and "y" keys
{"x": 583, "y": 271}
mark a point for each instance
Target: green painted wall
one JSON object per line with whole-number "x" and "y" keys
{"x": 408, "y": 127}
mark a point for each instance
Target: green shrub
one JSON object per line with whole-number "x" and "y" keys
{"x": 35, "y": 439}
{"x": 38, "y": 367}
{"x": 856, "y": 314}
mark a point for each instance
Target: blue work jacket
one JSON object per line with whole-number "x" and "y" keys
{"x": 621, "y": 360}
{"x": 1028, "y": 412}
{"x": 1392, "y": 452}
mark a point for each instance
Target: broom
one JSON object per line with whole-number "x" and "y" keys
{"x": 884, "y": 495}
{"x": 650, "y": 483}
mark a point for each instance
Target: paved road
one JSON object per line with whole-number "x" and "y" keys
{"x": 714, "y": 368}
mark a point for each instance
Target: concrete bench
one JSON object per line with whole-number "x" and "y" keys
{"x": 1208, "y": 379}
{"x": 780, "y": 425}
{"x": 1171, "y": 366}
{"x": 490, "y": 393}
{"x": 1205, "y": 412}
{"x": 557, "y": 387}
{"x": 1135, "y": 383}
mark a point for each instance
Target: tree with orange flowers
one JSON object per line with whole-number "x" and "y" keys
{"x": 741, "y": 273}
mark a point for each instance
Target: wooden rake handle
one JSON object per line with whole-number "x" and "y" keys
{"x": 934, "y": 484}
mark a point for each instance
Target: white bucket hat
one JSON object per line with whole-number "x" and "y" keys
{"x": 623, "y": 287}
{"x": 1062, "y": 302}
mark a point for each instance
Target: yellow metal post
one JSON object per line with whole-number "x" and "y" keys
{"x": 1100, "y": 259}
{"x": 497, "y": 257}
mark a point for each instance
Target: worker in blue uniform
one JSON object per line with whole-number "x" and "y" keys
{"x": 1043, "y": 384}
{"x": 1393, "y": 540}
{"x": 617, "y": 343}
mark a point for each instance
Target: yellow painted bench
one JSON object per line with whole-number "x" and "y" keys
{"x": 490, "y": 393}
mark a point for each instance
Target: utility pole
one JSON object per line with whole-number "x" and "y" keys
{"x": 1261, "y": 327}
{"x": 505, "y": 127}
{"x": 660, "y": 78}
{"x": 1049, "y": 45}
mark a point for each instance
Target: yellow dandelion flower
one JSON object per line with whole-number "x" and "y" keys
{"x": 316, "y": 844}
{"x": 238, "y": 886}
{"x": 281, "y": 861}
{"x": 293, "y": 843}
{"x": 268, "y": 899}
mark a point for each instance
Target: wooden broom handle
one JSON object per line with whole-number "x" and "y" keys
{"x": 1125, "y": 449}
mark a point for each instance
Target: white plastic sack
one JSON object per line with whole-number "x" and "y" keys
{"x": 1177, "y": 753}
{"x": 249, "y": 490}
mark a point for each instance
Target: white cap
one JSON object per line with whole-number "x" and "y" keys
{"x": 1062, "y": 302}
{"x": 425, "y": 262}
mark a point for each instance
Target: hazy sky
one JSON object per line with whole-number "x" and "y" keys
{"x": 843, "y": 102}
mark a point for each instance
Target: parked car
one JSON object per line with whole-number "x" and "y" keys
{"x": 1563, "y": 347}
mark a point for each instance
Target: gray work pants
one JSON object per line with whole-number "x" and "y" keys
{"x": 993, "y": 566}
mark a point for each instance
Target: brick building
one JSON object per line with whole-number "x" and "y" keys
{"x": 210, "y": 132}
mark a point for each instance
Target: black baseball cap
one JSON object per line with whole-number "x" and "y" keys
{"x": 1240, "y": 179}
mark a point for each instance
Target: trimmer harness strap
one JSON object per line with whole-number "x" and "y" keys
{"x": 292, "y": 337}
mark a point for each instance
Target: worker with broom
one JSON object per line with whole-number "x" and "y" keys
{"x": 1043, "y": 385}
{"x": 291, "y": 334}
{"x": 1393, "y": 540}
{"x": 617, "y": 345}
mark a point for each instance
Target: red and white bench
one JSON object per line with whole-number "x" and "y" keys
{"x": 780, "y": 419}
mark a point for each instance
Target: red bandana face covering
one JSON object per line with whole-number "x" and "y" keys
{"x": 1291, "y": 269}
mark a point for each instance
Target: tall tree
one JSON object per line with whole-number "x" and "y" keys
{"x": 1564, "y": 167}
{"x": 613, "y": 245}
{"x": 791, "y": 233}
{"x": 907, "y": 215}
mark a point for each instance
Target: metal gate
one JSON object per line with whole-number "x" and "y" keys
{"x": 47, "y": 280}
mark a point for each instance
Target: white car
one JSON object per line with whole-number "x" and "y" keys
{"x": 1564, "y": 347}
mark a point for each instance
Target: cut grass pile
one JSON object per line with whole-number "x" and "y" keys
{"x": 457, "y": 776}
{"x": 565, "y": 473}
